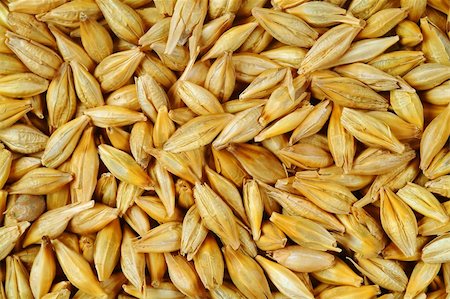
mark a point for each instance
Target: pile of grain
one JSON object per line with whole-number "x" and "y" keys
{"x": 224, "y": 149}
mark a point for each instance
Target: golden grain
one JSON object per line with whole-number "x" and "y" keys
{"x": 295, "y": 141}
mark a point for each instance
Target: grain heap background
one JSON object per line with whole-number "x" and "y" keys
{"x": 224, "y": 149}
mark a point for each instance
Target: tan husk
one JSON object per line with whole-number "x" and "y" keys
{"x": 131, "y": 27}
{"x": 216, "y": 215}
{"x": 39, "y": 59}
{"x": 200, "y": 148}
{"x": 77, "y": 269}
{"x": 124, "y": 167}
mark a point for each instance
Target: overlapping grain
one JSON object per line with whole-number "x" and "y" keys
{"x": 224, "y": 149}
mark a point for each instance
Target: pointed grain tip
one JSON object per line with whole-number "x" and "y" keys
{"x": 151, "y": 150}
{"x": 257, "y": 12}
{"x": 262, "y": 121}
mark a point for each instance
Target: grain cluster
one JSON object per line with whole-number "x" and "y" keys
{"x": 224, "y": 149}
